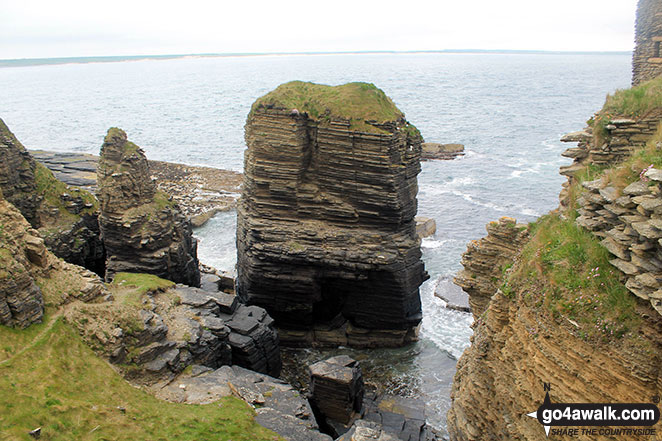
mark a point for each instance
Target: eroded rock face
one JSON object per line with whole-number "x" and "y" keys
{"x": 67, "y": 218}
{"x": 516, "y": 348}
{"x": 326, "y": 237}
{"x": 167, "y": 330}
{"x": 486, "y": 259}
{"x": 17, "y": 180}
{"x": 22, "y": 252}
{"x": 142, "y": 229}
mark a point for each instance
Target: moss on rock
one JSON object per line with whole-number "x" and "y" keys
{"x": 358, "y": 103}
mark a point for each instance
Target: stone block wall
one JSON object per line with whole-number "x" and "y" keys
{"x": 629, "y": 222}
{"x": 647, "y": 56}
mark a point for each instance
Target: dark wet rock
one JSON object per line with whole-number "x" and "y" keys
{"x": 336, "y": 387}
{"x": 322, "y": 233}
{"x": 403, "y": 418}
{"x": 209, "y": 282}
{"x": 142, "y": 229}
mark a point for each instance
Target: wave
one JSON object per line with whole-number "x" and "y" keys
{"x": 428, "y": 242}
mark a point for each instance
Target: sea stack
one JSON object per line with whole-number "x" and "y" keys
{"x": 326, "y": 237}
{"x": 143, "y": 230}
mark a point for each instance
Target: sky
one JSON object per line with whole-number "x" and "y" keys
{"x": 76, "y": 28}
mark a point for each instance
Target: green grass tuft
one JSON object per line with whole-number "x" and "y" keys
{"x": 142, "y": 283}
{"x": 634, "y": 102}
{"x": 566, "y": 270}
{"x": 354, "y": 102}
{"x": 62, "y": 387}
{"x": 52, "y": 188}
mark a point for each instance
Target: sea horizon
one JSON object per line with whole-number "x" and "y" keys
{"x": 25, "y": 62}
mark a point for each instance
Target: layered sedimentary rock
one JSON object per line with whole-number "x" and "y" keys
{"x": 175, "y": 327}
{"x": 336, "y": 387}
{"x": 326, "y": 237}
{"x": 31, "y": 276}
{"x": 142, "y": 229}
{"x": 65, "y": 217}
{"x": 434, "y": 150}
{"x": 629, "y": 222}
{"x": 486, "y": 259}
{"x": 647, "y": 55}
{"x": 516, "y": 348}
{"x": 22, "y": 251}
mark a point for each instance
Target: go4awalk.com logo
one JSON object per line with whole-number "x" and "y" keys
{"x": 596, "y": 419}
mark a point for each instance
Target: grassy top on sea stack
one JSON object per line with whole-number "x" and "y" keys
{"x": 356, "y": 102}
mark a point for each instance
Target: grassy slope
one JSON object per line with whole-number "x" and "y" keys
{"x": 61, "y": 386}
{"x": 565, "y": 271}
{"x": 356, "y": 102}
{"x": 627, "y": 103}
{"x": 565, "y": 268}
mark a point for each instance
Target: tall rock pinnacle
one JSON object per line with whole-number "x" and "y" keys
{"x": 142, "y": 229}
{"x": 326, "y": 236}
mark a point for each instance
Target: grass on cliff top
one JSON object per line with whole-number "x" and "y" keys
{"x": 634, "y": 102}
{"x": 566, "y": 270}
{"x": 631, "y": 169}
{"x": 61, "y": 386}
{"x": 356, "y": 102}
{"x": 129, "y": 288}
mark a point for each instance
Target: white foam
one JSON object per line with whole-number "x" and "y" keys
{"x": 428, "y": 242}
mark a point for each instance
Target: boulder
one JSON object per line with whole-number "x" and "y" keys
{"x": 433, "y": 150}
{"x": 453, "y": 295}
{"x": 336, "y": 387}
{"x": 425, "y": 226}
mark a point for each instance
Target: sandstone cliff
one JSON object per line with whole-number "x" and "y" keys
{"x": 31, "y": 277}
{"x": 142, "y": 229}
{"x": 486, "y": 260}
{"x": 65, "y": 217}
{"x": 326, "y": 237}
{"x": 21, "y": 252}
{"x": 581, "y": 289}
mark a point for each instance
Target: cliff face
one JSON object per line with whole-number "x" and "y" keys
{"x": 515, "y": 349}
{"x": 22, "y": 252}
{"x": 486, "y": 259}
{"x": 647, "y": 56}
{"x": 143, "y": 231}
{"x": 582, "y": 289}
{"x": 326, "y": 238}
{"x": 65, "y": 217}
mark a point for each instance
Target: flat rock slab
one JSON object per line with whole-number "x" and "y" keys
{"x": 281, "y": 407}
{"x": 200, "y": 191}
{"x": 196, "y": 297}
{"x": 453, "y": 295}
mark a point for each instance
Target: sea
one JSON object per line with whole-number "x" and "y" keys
{"x": 508, "y": 109}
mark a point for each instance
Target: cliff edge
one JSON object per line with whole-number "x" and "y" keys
{"x": 581, "y": 289}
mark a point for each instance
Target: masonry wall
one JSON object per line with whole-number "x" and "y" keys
{"x": 647, "y": 57}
